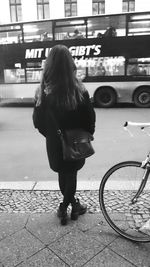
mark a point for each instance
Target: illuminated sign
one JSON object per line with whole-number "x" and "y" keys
{"x": 85, "y": 50}
{"x": 34, "y": 53}
{"x": 76, "y": 51}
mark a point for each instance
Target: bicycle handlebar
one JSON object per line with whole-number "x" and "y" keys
{"x": 137, "y": 124}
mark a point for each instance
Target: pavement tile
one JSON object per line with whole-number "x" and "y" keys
{"x": 76, "y": 248}
{"x": 11, "y": 223}
{"x": 137, "y": 253}
{"x": 46, "y": 227}
{"x": 36, "y": 238}
{"x": 88, "y": 221}
{"x": 102, "y": 233}
{"x": 108, "y": 258}
{"x": 17, "y": 247}
{"x": 44, "y": 258}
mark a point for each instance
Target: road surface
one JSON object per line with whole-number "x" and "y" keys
{"x": 23, "y": 153}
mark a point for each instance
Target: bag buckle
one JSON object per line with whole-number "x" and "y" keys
{"x": 59, "y": 132}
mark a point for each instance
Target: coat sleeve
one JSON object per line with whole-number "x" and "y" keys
{"x": 89, "y": 114}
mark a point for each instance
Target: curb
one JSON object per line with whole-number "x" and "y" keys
{"x": 46, "y": 185}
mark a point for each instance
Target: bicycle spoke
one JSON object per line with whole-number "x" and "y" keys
{"x": 117, "y": 191}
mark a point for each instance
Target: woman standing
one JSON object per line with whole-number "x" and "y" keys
{"x": 66, "y": 98}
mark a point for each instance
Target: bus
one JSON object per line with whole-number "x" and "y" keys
{"x": 111, "y": 52}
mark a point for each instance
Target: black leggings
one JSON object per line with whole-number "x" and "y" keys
{"x": 68, "y": 184}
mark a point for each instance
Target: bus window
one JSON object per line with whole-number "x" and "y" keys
{"x": 10, "y": 34}
{"x": 70, "y": 29}
{"x": 33, "y": 71}
{"x": 106, "y": 66}
{"x": 138, "y": 70}
{"x": 14, "y": 75}
{"x": 38, "y": 31}
{"x": 33, "y": 75}
{"x": 81, "y": 73}
{"x": 138, "y": 67}
{"x": 70, "y": 32}
{"x": 98, "y": 26}
{"x": 139, "y": 24}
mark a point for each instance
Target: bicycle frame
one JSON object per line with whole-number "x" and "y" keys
{"x": 142, "y": 185}
{"x": 145, "y": 163}
{"x": 126, "y": 208}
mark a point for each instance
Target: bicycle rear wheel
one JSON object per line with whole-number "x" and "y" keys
{"x": 117, "y": 190}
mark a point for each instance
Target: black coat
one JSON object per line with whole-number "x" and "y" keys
{"x": 82, "y": 117}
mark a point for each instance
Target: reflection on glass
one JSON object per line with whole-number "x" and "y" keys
{"x": 39, "y": 31}
{"x": 70, "y": 32}
{"x": 10, "y": 37}
{"x": 133, "y": 60}
{"x": 106, "y": 66}
{"x": 99, "y": 25}
{"x": 138, "y": 70}
{"x": 14, "y": 75}
{"x": 140, "y": 17}
{"x": 138, "y": 27}
{"x": 81, "y": 72}
{"x": 33, "y": 75}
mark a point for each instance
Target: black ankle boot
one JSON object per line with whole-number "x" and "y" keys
{"x": 62, "y": 214}
{"x": 77, "y": 209}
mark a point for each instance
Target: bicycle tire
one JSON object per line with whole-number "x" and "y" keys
{"x": 116, "y": 191}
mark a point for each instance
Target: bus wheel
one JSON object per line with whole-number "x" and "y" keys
{"x": 105, "y": 97}
{"x": 141, "y": 97}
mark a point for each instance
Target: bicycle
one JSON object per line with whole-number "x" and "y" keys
{"x": 124, "y": 196}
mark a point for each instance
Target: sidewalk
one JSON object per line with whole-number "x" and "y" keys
{"x": 31, "y": 234}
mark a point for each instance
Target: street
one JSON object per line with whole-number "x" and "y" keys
{"x": 23, "y": 152}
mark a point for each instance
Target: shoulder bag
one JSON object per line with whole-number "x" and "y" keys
{"x": 76, "y": 143}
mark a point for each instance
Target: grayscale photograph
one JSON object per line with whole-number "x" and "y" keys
{"x": 74, "y": 133}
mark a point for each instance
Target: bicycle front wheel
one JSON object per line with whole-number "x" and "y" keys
{"x": 118, "y": 189}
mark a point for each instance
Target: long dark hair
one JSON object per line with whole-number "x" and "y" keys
{"x": 59, "y": 78}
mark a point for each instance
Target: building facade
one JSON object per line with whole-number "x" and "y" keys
{"x": 29, "y": 10}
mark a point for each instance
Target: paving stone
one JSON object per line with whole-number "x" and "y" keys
{"x": 10, "y": 223}
{"x": 137, "y": 253}
{"x": 17, "y": 247}
{"x": 75, "y": 248}
{"x": 44, "y": 258}
{"x": 108, "y": 258}
{"x": 80, "y": 243}
{"x": 47, "y": 227}
{"x": 42, "y": 201}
